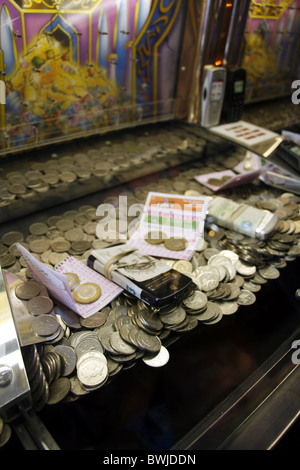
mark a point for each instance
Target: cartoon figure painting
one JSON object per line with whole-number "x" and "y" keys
{"x": 70, "y": 66}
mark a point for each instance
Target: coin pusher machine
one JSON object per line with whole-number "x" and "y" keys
{"x": 197, "y": 50}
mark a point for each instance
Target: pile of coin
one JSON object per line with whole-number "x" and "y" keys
{"x": 108, "y": 161}
{"x": 228, "y": 270}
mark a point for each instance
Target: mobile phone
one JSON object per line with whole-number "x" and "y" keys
{"x": 234, "y": 98}
{"x": 161, "y": 290}
{"x": 213, "y": 92}
{"x": 242, "y": 218}
{"x": 289, "y": 153}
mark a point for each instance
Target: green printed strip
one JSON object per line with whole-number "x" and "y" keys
{"x": 167, "y": 222}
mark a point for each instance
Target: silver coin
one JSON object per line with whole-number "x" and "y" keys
{"x": 228, "y": 308}
{"x": 211, "y": 311}
{"x": 196, "y": 301}
{"x": 68, "y": 356}
{"x": 112, "y": 365}
{"x": 104, "y": 338}
{"x": 88, "y": 344}
{"x": 60, "y": 245}
{"x": 64, "y": 225}
{"x": 94, "y": 321}
{"x": 27, "y": 290}
{"x": 73, "y": 235}
{"x": 147, "y": 342}
{"x": 39, "y": 245}
{"x": 174, "y": 318}
{"x": 90, "y": 354}
{"x": 45, "y": 325}
{"x": 246, "y": 297}
{"x": 76, "y": 387}
{"x": 208, "y": 280}
{"x": 269, "y": 273}
{"x": 58, "y": 390}
{"x": 69, "y": 317}
{"x": 40, "y": 305}
{"x": 258, "y": 279}
{"x": 248, "y": 285}
{"x": 57, "y": 258}
{"x": 159, "y": 360}
{"x": 183, "y": 266}
{"x": 149, "y": 319}
{"x": 12, "y": 237}
{"x": 209, "y": 252}
{"x": 244, "y": 268}
{"x": 67, "y": 176}
{"x": 119, "y": 345}
{"x": 235, "y": 292}
{"x": 190, "y": 323}
{"x": 52, "y": 365}
{"x": 231, "y": 255}
{"x": 92, "y": 370}
{"x": 217, "y": 260}
{"x": 214, "y": 320}
{"x": 38, "y": 228}
{"x": 7, "y": 260}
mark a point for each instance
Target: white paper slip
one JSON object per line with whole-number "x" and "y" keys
{"x": 219, "y": 181}
{"x": 244, "y": 133}
{"x": 176, "y": 216}
{"x": 57, "y": 284}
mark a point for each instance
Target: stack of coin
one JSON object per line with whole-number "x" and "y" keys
{"x": 36, "y": 377}
{"x": 52, "y": 365}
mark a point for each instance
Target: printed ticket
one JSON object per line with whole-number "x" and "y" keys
{"x": 176, "y": 217}
{"x": 57, "y": 285}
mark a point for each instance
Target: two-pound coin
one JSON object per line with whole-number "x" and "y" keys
{"x": 86, "y": 293}
{"x": 73, "y": 280}
{"x": 176, "y": 244}
{"x": 155, "y": 237}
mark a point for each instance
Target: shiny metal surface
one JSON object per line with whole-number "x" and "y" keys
{"x": 32, "y": 432}
{"x": 14, "y": 386}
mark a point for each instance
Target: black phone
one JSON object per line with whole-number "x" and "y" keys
{"x": 160, "y": 291}
{"x": 233, "y": 105}
{"x": 289, "y": 153}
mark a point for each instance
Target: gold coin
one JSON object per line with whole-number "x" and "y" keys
{"x": 155, "y": 237}
{"x": 87, "y": 293}
{"x": 176, "y": 244}
{"x": 73, "y": 280}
